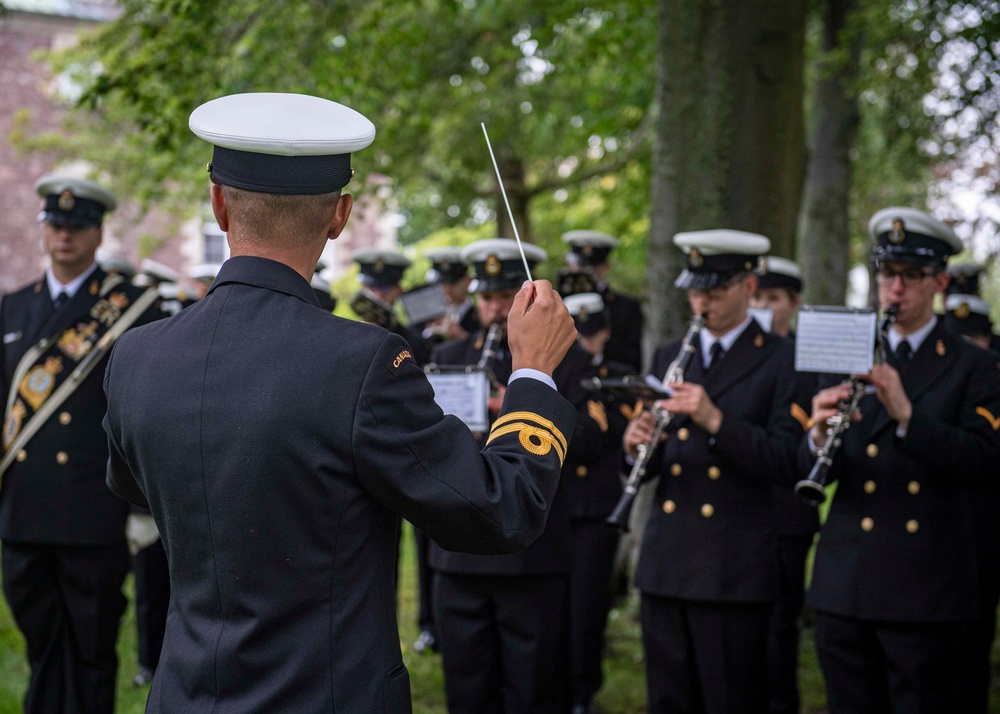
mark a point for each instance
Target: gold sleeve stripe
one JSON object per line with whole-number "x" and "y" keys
{"x": 988, "y": 416}
{"x": 597, "y": 413}
{"x": 540, "y": 445}
{"x": 531, "y": 416}
{"x": 801, "y": 417}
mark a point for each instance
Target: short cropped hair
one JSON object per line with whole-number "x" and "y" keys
{"x": 288, "y": 220}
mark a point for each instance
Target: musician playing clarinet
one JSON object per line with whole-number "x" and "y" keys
{"x": 502, "y": 619}
{"x": 708, "y": 567}
{"x": 894, "y": 581}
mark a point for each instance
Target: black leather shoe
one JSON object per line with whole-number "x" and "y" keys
{"x": 144, "y": 677}
{"x": 426, "y": 641}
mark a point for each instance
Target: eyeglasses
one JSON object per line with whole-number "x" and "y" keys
{"x": 909, "y": 276}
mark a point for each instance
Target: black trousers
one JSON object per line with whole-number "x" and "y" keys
{"x": 783, "y": 642}
{"x": 503, "y": 642}
{"x": 425, "y": 583}
{"x": 977, "y": 670}
{"x": 68, "y": 602}
{"x": 152, "y": 600}
{"x": 594, "y": 544}
{"x": 890, "y": 666}
{"x": 705, "y": 658}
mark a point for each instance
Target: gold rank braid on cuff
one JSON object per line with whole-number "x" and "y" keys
{"x": 538, "y": 438}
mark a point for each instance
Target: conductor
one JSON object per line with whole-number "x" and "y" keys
{"x": 277, "y": 445}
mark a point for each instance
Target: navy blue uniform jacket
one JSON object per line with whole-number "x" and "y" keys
{"x": 277, "y": 445}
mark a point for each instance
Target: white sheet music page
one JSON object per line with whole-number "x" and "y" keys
{"x": 835, "y": 340}
{"x": 464, "y": 395}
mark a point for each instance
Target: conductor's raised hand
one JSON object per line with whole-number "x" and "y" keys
{"x": 540, "y": 329}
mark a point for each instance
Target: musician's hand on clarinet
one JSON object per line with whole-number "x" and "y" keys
{"x": 692, "y": 400}
{"x": 889, "y": 390}
{"x": 539, "y": 328}
{"x": 639, "y": 431}
{"x": 825, "y": 406}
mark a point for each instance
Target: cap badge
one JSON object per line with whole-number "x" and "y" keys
{"x": 962, "y": 311}
{"x": 695, "y": 259}
{"x": 587, "y": 250}
{"x": 898, "y": 233}
{"x": 379, "y": 265}
{"x": 583, "y": 316}
{"x": 66, "y": 201}
{"x": 961, "y": 279}
{"x": 492, "y": 266}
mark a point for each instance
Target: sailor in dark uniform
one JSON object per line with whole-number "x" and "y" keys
{"x": 779, "y": 290}
{"x": 965, "y": 280}
{"x": 708, "y": 568}
{"x": 591, "y": 252}
{"x": 502, "y": 619}
{"x": 450, "y": 272}
{"x": 969, "y": 316}
{"x": 894, "y": 581}
{"x": 277, "y": 444}
{"x": 63, "y": 533}
{"x": 380, "y": 273}
{"x": 593, "y": 488}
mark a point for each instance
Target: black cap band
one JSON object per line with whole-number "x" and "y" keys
{"x": 911, "y": 247}
{"x": 494, "y": 274}
{"x": 287, "y": 175}
{"x": 779, "y": 280}
{"x": 65, "y": 209}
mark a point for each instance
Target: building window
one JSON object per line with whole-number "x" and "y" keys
{"x": 216, "y": 248}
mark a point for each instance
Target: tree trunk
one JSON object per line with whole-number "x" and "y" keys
{"x": 512, "y": 171}
{"x": 728, "y": 142}
{"x": 729, "y": 137}
{"x": 824, "y": 227}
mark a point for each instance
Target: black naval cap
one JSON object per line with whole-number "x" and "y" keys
{"x": 967, "y": 315}
{"x": 776, "y": 272}
{"x": 715, "y": 257}
{"x": 281, "y": 143}
{"x": 380, "y": 268}
{"x": 73, "y": 202}
{"x": 447, "y": 265}
{"x": 589, "y": 248}
{"x": 497, "y": 263}
{"x": 964, "y": 278}
{"x": 588, "y": 313}
{"x": 573, "y": 281}
{"x": 906, "y": 235}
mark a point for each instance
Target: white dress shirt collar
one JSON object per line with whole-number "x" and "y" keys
{"x": 727, "y": 340}
{"x": 55, "y": 287}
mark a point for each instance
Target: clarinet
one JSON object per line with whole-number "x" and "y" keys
{"x": 620, "y": 516}
{"x": 811, "y": 489}
{"x": 491, "y": 346}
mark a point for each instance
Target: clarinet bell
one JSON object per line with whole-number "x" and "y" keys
{"x": 810, "y": 491}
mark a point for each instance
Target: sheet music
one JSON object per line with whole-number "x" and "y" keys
{"x": 464, "y": 395}
{"x": 835, "y": 340}
{"x": 423, "y": 304}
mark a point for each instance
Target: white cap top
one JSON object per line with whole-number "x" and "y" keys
{"x": 387, "y": 257}
{"x": 502, "y": 249}
{"x": 972, "y": 304}
{"x": 783, "y": 266}
{"x": 116, "y": 263}
{"x": 913, "y": 220}
{"x": 593, "y": 238}
{"x": 159, "y": 271}
{"x": 447, "y": 254}
{"x": 282, "y": 125}
{"x": 204, "y": 271}
{"x": 80, "y": 188}
{"x": 587, "y": 303}
{"x": 723, "y": 242}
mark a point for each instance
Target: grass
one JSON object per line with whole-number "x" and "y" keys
{"x": 624, "y": 690}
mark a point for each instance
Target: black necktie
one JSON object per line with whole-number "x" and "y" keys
{"x": 903, "y": 353}
{"x": 716, "y": 353}
{"x": 60, "y": 300}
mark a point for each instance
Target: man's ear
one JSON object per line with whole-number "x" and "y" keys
{"x": 340, "y": 215}
{"x": 943, "y": 279}
{"x": 219, "y": 207}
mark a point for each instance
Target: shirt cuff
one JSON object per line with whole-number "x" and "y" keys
{"x": 524, "y": 372}
{"x": 813, "y": 446}
{"x": 900, "y": 431}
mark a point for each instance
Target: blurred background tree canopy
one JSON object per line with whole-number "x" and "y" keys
{"x": 797, "y": 119}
